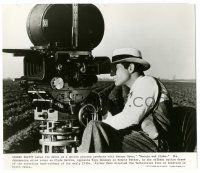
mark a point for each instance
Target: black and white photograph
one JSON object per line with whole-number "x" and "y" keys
{"x": 99, "y": 78}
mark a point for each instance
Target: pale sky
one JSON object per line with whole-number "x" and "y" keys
{"x": 165, "y": 33}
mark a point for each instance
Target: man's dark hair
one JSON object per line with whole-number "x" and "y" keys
{"x": 138, "y": 67}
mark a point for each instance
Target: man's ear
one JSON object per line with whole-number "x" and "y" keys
{"x": 131, "y": 68}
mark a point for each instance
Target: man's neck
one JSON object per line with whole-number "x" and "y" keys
{"x": 132, "y": 79}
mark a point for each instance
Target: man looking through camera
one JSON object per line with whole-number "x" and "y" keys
{"x": 142, "y": 125}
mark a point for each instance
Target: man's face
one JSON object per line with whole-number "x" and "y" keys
{"x": 122, "y": 75}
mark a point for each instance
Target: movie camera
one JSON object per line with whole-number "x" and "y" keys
{"x": 59, "y": 71}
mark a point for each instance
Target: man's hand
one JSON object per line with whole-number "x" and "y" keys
{"x": 149, "y": 127}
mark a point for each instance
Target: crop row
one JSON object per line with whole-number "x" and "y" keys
{"x": 16, "y": 111}
{"x": 16, "y": 123}
{"x": 15, "y": 105}
{"x": 24, "y": 141}
{"x": 182, "y": 93}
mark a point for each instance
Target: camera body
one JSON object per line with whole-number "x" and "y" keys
{"x": 76, "y": 68}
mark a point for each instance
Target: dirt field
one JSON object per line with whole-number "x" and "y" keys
{"x": 21, "y": 132}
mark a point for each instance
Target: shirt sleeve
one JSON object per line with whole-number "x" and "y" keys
{"x": 141, "y": 98}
